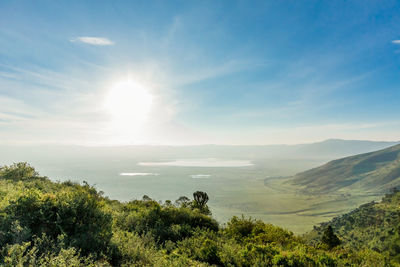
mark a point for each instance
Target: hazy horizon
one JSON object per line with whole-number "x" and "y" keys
{"x": 48, "y": 144}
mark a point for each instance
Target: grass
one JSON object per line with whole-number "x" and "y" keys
{"x": 278, "y": 202}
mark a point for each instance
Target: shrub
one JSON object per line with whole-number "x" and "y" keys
{"x": 77, "y": 214}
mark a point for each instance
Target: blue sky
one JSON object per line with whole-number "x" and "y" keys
{"x": 224, "y": 72}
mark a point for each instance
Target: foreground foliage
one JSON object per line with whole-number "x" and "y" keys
{"x": 375, "y": 226}
{"x": 44, "y": 223}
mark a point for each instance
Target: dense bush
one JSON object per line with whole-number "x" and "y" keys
{"x": 244, "y": 229}
{"x": 164, "y": 223}
{"x": 77, "y": 214}
{"x": 372, "y": 226}
{"x": 44, "y": 223}
{"x": 19, "y": 172}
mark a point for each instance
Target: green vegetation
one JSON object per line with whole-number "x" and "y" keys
{"x": 43, "y": 223}
{"x": 375, "y": 226}
{"x": 329, "y": 238}
{"x": 373, "y": 172}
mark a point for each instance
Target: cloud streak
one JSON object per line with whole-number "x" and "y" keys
{"x": 396, "y": 42}
{"x": 98, "y": 41}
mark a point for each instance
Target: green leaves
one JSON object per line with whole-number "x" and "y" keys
{"x": 43, "y": 223}
{"x": 18, "y": 171}
{"x": 200, "y": 202}
{"x": 75, "y": 212}
{"x": 329, "y": 238}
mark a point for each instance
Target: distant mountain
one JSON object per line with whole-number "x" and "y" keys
{"x": 323, "y": 151}
{"x": 370, "y": 172}
{"x": 342, "y": 148}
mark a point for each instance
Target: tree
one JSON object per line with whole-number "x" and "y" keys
{"x": 201, "y": 198}
{"x": 200, "y": 202}
{"x": 168, "y": 203}
{"x": 182, "y": 202}
{"x": 18, "y": 171}
{"x": 146, "y": 198}
{"x": 329, "y": 238}
{"x": 78, "y": 214}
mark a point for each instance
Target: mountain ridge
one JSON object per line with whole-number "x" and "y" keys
{"x": 327, "y": 150}
{"x": 369, "y": 172}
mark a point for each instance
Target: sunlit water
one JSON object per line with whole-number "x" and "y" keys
{"x": 200, "y": 176}
{"x": 210, "y": 162}
{"x": 138, "y": 174}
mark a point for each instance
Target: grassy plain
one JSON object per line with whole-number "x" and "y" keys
{"x": 276, "y": 201}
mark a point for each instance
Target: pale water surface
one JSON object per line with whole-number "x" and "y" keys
{"x": 138, "y": 174}
{"x": 200, "y": 176}
{"x": 209, "y": 162}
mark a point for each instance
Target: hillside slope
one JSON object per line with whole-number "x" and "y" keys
{"x": 373, "y": 172}
{"x": 374, "y": 226}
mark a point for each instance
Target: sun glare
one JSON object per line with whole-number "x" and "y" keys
{"x": 129, "y": 102}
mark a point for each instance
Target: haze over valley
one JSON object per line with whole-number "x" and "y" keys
{"x": 248, "y": 180}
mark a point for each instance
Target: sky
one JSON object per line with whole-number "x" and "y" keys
{"x": 198, "y": 72}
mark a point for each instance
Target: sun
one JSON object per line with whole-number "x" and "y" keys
{"x": 129, "y": 102}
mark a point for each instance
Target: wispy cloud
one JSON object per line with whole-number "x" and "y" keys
{"x": 99, "y": 41}
{"x": 396, "y": 42}
{"x": 34, "y": 98}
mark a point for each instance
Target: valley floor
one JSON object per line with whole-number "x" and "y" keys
{"x": 278, "y": 202}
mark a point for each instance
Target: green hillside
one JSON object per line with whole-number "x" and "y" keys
{"x": 375, "y": 226}
{"x": 373, "y": 172}
{"x": 45, "y": 223}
